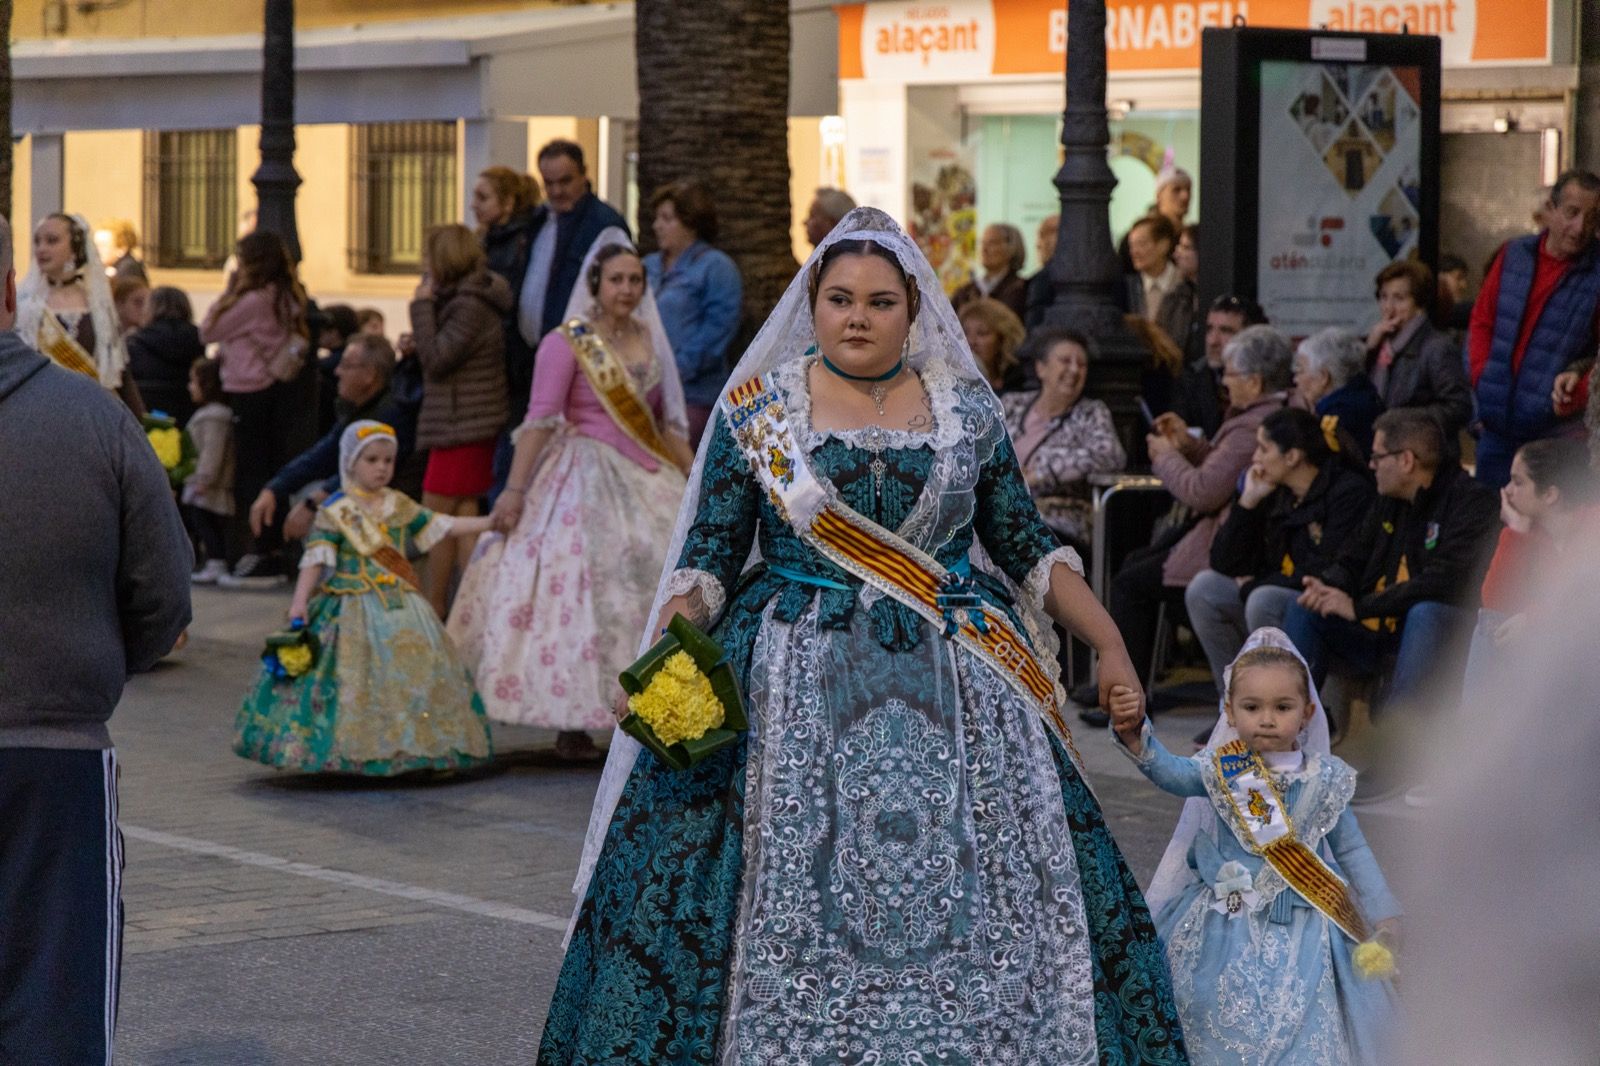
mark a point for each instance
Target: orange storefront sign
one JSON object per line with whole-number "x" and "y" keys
{"x": 959, "y": 39}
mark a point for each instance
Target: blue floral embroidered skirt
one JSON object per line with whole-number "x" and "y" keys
{"x": 898, "y": 864}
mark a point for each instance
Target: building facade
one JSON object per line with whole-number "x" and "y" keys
{"x": 951, "y": 111}
{"x": 145, "y": 112}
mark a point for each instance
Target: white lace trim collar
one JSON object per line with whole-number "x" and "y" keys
{"x": 794, "y": 379}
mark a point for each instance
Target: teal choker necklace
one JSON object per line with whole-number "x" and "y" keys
{"x": 877, "y": 392}
{"x": 885, "y": 376}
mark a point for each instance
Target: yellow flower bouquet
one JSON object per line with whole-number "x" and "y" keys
{"x": 291, "y": 653}
{"x": 173, "y": 446}
{"x": 683, "y": 697}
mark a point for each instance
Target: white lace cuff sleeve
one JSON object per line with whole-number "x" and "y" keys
{"x": 1037, "y": 587}
{"x": 547, "y": 422}
{"x": 438, "y": 528}
{"x": 683, "y": 582}
{"x": 319, "y": 554}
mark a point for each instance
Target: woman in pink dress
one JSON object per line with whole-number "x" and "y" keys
{"x": 549, "y": 613}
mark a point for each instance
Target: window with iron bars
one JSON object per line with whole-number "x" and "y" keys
{"x": 403, "y": 182}
{"x": 191, "y": 183}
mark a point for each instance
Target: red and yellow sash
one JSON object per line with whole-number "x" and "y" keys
{"x": 1260, "y": 820}
{"x": 879, "y": 557}
{"x": 58, "y": 344}
{"x": 616, "y": 389}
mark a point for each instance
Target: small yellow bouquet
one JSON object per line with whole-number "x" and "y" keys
{"x": 291, "y": 653}
{"x": 173, "y": 446}
{"x": 683, "y": 697}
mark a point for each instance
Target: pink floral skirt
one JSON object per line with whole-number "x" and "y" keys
{"x": 547, "y": 617}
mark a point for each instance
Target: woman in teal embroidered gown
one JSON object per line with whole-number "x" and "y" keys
{"x": 899, "y": 862}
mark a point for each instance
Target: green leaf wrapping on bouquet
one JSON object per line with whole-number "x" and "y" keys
{"x": 683, "y": 635}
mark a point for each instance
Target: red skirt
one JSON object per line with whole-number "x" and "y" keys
{"x": 465, "y": 470}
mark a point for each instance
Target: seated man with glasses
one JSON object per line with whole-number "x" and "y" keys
{"x": 1405, "y": 585}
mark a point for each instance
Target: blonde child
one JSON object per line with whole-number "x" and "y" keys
{"x": 386, "y": 693}
{"x": 1265, "y": 894}
{"x": 208, "y": 492}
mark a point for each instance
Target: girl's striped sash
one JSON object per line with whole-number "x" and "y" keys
{"x": 58, "y": 344}
{"x": 614, "y": 386}
{"x": 1260, "y": 820}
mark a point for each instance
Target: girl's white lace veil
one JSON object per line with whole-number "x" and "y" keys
{"x": 110, "y": 354}
{"x": 789, "y": 335}
{"x": 581, "y": 304}
{"x": 353, "y": 441}
{"x": 1173, "y": 874}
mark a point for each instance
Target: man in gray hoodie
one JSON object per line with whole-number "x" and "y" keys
{"x": 94, "y": 586}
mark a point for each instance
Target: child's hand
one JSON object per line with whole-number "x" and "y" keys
{"x": 1389, "y": 932}
{"x": 1126, "y": 708}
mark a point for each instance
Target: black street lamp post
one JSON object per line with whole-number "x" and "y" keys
{"x": 275, "y": 179}
{"x": 1085, "y": 270}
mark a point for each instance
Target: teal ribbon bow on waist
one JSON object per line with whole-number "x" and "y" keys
{"x": 957, "y": 601}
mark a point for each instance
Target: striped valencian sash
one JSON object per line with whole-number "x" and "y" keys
{"x": 1260, "y": 820}
{"x": 614, "y": 386}
{"x": 55, "y": 342}
{"x": 884, "y": 560}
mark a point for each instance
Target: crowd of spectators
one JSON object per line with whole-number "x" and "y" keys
{"x": 1350, "y": 488}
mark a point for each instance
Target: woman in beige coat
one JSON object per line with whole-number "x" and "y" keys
{"x": 456, "y": 317}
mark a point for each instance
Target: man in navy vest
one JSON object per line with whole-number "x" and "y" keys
{"x": 1535, "y": 316}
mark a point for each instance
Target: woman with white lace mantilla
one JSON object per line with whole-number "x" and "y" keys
{"x": 900, "y": 861}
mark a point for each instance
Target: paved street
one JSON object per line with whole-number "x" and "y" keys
{"x": 281, "y": 920}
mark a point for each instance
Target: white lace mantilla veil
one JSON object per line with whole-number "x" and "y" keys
{"x": 788, "y": 336}
{"x": 581, "y": 304}
{"x": 110, "y": 354}
{"x": 1173, "y": 875}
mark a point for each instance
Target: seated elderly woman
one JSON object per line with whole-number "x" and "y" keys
{"x": 995, "y": 334}
{"x": 1061, "y": 438}
{"x": 1306, "y": 492}
{"x": 1330, "y": 378}
{"x": 1412, "y": 363}
{"x": 1202, "y": 475}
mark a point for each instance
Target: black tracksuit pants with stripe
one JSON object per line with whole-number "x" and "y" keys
{"x": 60, "y": 906}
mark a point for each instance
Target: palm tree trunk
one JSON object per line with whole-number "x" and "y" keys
{"x": 713, "y": 108}
{"x": 6, "y": 158}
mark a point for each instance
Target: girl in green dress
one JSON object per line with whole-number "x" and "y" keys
{"x": 387, "y": 693}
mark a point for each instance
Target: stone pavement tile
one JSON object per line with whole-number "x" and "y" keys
{"x": 454, "y": 990}
{"x": 353, "y": 976}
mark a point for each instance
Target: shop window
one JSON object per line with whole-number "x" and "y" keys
{"x": 191, "y": 197}
{"x": 404, "y": 181}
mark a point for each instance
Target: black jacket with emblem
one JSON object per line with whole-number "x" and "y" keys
{"x": 1279, "y": 540}
{"x": 1435, "y": 547}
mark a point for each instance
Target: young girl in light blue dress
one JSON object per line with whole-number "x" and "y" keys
{"x": 1262, "y": 974}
